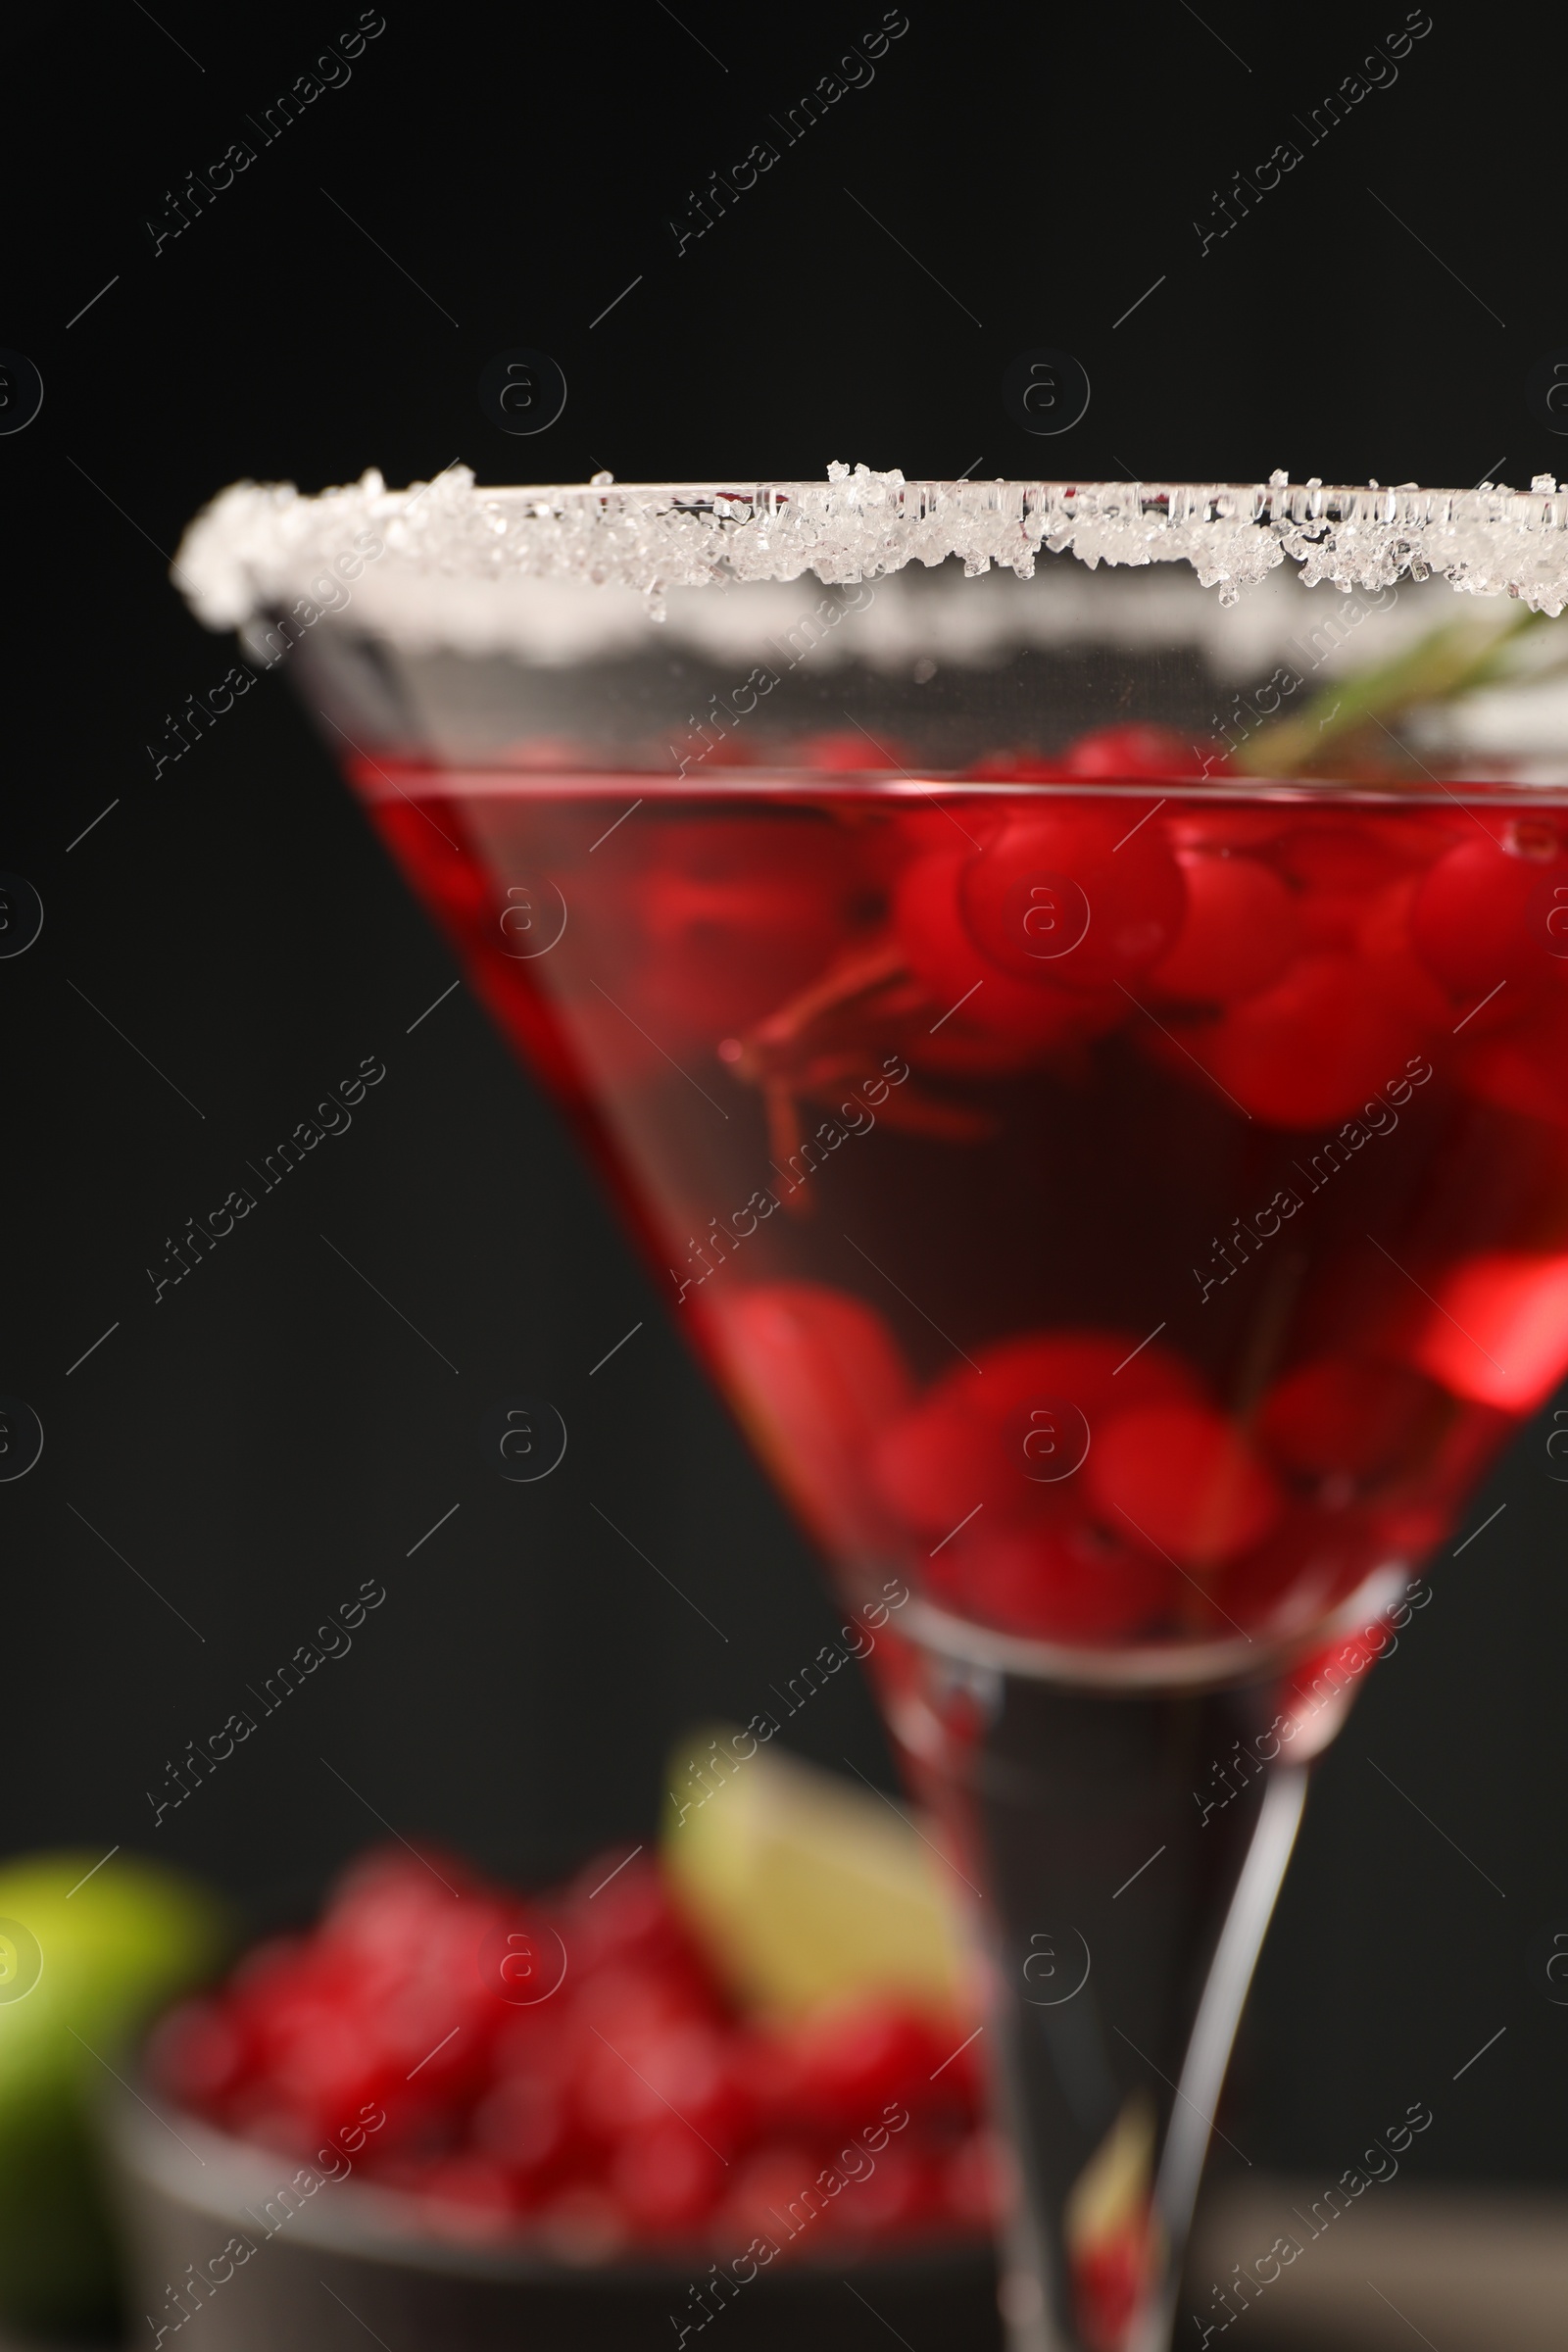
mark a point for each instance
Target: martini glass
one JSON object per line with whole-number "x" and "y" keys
{"x": 1070, "y": 988}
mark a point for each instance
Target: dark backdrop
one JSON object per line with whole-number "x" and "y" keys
{"x": 226, "y": 940}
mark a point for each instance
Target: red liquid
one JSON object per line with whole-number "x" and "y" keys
{"x": 1128, "y": 1223}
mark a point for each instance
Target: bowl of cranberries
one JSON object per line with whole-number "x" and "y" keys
{"x": 447, "y": 2114}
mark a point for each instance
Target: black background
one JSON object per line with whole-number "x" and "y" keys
{"x": 272, "y": 1433}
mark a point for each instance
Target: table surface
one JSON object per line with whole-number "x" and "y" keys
{"x": 1459, "y": 2270}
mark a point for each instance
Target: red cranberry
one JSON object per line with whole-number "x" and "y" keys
{"x": 666, "y": 2182}
{"x": 942, "y": 951}
{"x": 1239, "y": 933}
{"x": 851, "y": 2061}
{"x": 768, "y": 2194}
{"x": 621, "y": 1912}
{"x": 325, "y": 2063}
{"x": 388, "y": 1904}
{"x": 1082, "y": 899}
{"x": 629, "y": 2081}
{"x": 1139, "y": 750}
{"x": 1482, "y": 915}
{"x": 965, "y": 1441}
{"x": 936, "y": 1463}
{"x": 1182, "y": 1478}
{"x": 1079, "y": 1583}
{"x": 1312, "y": 1049}
{"x": 641, "y": 1995}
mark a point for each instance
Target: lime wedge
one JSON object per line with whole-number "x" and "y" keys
{"x": 804, "y": 1887}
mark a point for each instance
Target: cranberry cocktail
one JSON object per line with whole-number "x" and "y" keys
{"x": 1135, "y": 1212}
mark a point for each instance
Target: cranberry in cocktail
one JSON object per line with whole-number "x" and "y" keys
{"x": 1120, "y": 1212}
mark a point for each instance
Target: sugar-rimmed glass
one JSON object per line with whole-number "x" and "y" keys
{"x": 1054, "y": 984}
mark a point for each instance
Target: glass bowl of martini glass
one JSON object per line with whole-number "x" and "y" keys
{"x": 1069, "y": 985}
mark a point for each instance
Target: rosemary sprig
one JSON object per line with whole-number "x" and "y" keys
{"x": 1449, "y": 662}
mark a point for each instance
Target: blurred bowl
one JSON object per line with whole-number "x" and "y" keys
{"x": 206, "y": 2227}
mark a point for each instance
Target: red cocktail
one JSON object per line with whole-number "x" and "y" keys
{"x": 1136, "y": 1216}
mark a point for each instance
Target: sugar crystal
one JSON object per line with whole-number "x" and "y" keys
{"x": 259, "y": 547}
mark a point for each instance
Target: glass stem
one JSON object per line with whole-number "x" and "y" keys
{"x": 1126, "y": 1849}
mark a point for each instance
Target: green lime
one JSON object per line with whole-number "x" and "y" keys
{"x": 89, "y": 1951}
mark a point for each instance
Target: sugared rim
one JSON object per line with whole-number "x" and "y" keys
{"x": 259, "y": 546}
